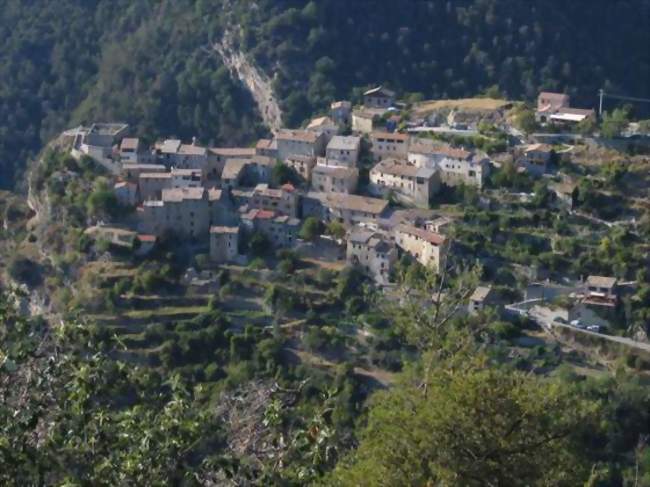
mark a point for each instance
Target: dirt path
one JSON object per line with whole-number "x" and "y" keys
{"x": 253, "y": 78}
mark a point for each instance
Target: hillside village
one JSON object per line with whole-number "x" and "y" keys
{"x": 355, "y": 187}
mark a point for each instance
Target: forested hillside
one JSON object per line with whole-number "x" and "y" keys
{"x": 449, "y": 49}
{"x": 150, "y": 63}
{"x": 143, "y": 62}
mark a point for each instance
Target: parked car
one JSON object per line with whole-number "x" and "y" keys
{"x": 594, "y": 328}
{"x": 578, "y": 324}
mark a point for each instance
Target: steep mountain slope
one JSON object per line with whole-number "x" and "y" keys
{"x": 448, "y": 49}
{"x": 150, "y": 63}
{"x": 143, "y": 62}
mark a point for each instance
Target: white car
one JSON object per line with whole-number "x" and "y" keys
{"x": 578, "y": 324}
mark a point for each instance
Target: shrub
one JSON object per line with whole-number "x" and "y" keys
{"x": 25, "y": 271}
{"x": 213, "y": 373}
{"x": 504, "y": 330}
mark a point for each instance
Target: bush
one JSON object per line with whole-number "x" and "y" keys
{"x": 213, "y": 373}
{"x": 259, "y": 244}
{"x": 504, "y": 330}
{"x": 311, "y": 229}
{"x": 202, "y": 260}
{"x": 25, "y": 271}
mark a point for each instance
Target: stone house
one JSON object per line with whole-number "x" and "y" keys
{"x": 219, "y": 156}
{"x": 439, "y": 225}
{"x": 348, "y": 209}
{"x": 104, "y": 135}
{"x": 191, "y": 156}
{"x": 324, "y": 125}
{"x": 379, "y": 97}
{"x": 302, "y": 165}
{"x": 340, "y": 112}
{"x": 409, "y": 183}
{"x": 456, "y": 166}
{"x": 184, "y": 211}
{"x": 386, "y": 144}
{"x": 334, "y": 179}
{"x": 426, "y": 247}
{"x": 300, "y": 143}
{"x": 481, "y": 297}
{"x": 131, "y": 172}
{"x": 548, "y": 102}
{"x": 536, "y": 159}
{"x": 267, "y": 147}
{"x": 372, "y": 252}
{"x": 344, "y": 150}
{"x": 472, "y": 170}
{"x": 220, "y": 208}
{"x": 173, "y": 153}
{"x": 259, "y": 170}
{"x": 126, "y": 193}
{"x": 224, "y": 244}
{"x": 601, "y": 291}
{"x": 283, "y": 201}
{"x": 555, "y": 108}
{"x": 131, "y": 150}
{"x": 281, "y": 230}
{"x": 151, "y": 185}
{"x": 233, "y": 173}
{"x": 362, "y": 121}
{"x": 565, "y": 193}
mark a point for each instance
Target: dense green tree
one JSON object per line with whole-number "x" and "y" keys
{"x": 478, "y": 425}
{"x": 311, "y": 229}
{"x": 613, "y": 123}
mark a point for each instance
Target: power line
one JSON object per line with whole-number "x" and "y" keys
{"x": 602, "y": 95}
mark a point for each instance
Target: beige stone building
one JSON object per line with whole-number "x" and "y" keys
{"x": 334, "y": 179}
{"x": 379, "y": 97}
{"x": 324, "y": 125}
{"x": 456, "y": 165}
{"x": 267, "y": 147}
{"x": 428, "y": 248}
{"x": 481, "y": 297}
{"x": 389, "y": 144}
{"x": 131, "y": 150}
{"x": 183, "y": 211}
{"x": 362, "y": 121}
{"x": 131, "y": 172}
{"x": 173, "y": 153}
{"x": 300, "y": 143}
{"x": 372, "y": 252}
{"x": 219, "y": 156}
{"x": 408, "y": 183}
{"x": 536, "y": 158}
{"x": 233, "y": 173}
{"x": 283, "y": 201}
{"x": 344, "y": 150}
{"x": 281, "y": 230}
{"x": 348, "y": 209}
{"x": 340, "y": 112}
{"x": 302, "y": 165}
{"x": 151, "y": 185}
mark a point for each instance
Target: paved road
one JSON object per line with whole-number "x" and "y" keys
{"x": 443, "y": 130}
{"x": 545, "y": 317}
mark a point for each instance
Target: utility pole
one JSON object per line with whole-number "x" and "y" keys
{"x": 601, "y": 92}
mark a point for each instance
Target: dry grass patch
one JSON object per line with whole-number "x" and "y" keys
{"x": 481, "y": 104}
